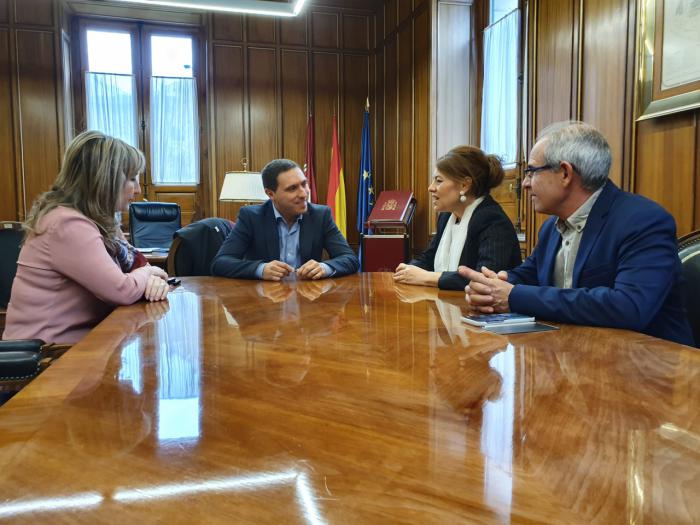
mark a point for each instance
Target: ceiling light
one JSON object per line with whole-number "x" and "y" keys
{"x": 252, "y": 7}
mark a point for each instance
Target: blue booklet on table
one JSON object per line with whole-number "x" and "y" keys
{"x": 494, "y": 320}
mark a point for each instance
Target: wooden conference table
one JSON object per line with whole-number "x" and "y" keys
{"x": 350, "y": 401}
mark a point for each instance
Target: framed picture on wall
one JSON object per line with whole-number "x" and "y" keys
{"x": 668, "y": 47}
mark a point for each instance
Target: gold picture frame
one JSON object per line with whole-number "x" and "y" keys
{"x": 668, "y": 78}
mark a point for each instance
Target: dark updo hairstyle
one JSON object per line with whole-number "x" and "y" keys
{"x": 484, "y": 170}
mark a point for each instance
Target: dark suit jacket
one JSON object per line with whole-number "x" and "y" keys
{"x": 255, "y": 240}
{"x": 199, "y": 243}
{"x": 627, "y": 273}
{"x": 491, "y": 241}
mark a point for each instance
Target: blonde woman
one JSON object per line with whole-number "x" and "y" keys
{"x": 75, "y": 265}
{"x": 472, "y": 228}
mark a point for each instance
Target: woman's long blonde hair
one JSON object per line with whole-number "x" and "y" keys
{"x": 94, "y": 170}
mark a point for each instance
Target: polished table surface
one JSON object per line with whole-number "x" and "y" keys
{"x": 350, "y": 401}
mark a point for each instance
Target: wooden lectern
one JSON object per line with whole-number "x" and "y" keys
{"x": 388, "y": 243}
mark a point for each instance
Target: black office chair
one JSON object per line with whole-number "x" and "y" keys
{"x": 689, "y": 253}
{"x": 195, "y": 246}
{"x": 11, "y": 236}
{"x": 21, "y": 360}
{"x": 152, "y": 224}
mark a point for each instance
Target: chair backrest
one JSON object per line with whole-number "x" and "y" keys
{"x": 689, "y": 253}
{"x": 11, "y": 236}
{"x": 152, "y": 224}
{"x": 196, "y": 245}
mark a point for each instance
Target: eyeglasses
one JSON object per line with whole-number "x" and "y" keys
{"x": 531, "y": 170}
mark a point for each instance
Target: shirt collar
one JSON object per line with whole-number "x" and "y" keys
{"x": 577, "y": 220}
{"x": 278, "y": 215}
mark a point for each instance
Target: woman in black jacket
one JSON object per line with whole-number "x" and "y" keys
{"x": 472, "y": 229}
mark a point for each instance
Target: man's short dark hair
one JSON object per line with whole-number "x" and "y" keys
{"x": 272, "y": 169}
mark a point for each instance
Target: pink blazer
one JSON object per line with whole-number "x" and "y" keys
{"x": 66, "y": 281}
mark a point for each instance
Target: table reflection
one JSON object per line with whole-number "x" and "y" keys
{"x": 179, "y": 342}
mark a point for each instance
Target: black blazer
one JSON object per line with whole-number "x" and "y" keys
{"x": 255, "y": 239}
{"x": 491, "y": 242}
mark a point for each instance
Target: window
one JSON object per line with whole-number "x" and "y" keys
{"x": 109, "y": 85}
{"x": 141, "y": 86}
{"x": 499, "y": 119}
{"x": 500, "y": 8}
{"x": 174, "y": 122}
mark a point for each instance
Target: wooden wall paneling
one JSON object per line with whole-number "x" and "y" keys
{"x": 405, "y": 109}
{"x": 390, "y": 17}
{"x": 38, "y": 110}
{"x": 391, "y": 180}
{"x": 35, "y": 12}
{"x": 377, "y": 114}
{"x": 554, "y": 62}
{"x": 422, "y": 168}
{"x": 356, "y": 89}
{"x": 4, "y": 8}
{"x": 263, "y": 107}
{"x": 293, "y": 31}
{"x": 326, "y": 86}
{"x": 325, "y": 29}
{"x": 227, "y": 27}
{"x": 294, "y": 84}
{"x": 405, "y": 8}
{"x": 404, "y": 54}
{"x": 479, "y": 21}
{"x": 261, "y": 30}
{"x": 666, "y": 165}
{"x": 227, "y": 118}
{"x": 603, "y": 85}
{"x": 377, "y": 102}
{"x": 356, "y": 31}
{"x": 8, "y": 196}
{"x": 629, "y": 109}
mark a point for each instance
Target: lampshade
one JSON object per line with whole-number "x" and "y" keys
{"x": 243, "y": 186}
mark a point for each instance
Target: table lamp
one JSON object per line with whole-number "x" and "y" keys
{"x": 243, "y": 186}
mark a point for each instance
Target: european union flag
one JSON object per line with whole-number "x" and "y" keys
{"x": 365, "y": 192}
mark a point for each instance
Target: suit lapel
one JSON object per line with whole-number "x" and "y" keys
{"x": 273, "y": 237}
{"x": 594, "y": 225}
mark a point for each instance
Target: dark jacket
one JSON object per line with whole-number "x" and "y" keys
{"x": 627, "y": 273}
{"x": 199, "y": 243}
{"x": 491, "y": 242}
{"x": 255, "y": 240}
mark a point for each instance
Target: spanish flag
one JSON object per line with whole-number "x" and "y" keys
{"x": 336, "y": 185}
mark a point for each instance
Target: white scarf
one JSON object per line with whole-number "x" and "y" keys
{"x": 453, "y": 238}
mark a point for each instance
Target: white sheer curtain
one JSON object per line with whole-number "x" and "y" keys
{"x": 111, "y": 105}
{"x": 174, "y": 131}
{"x": 499, "y": 116}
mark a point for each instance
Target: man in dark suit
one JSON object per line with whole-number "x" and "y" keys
{"x": 605, "y": 258}
{"x": 287, "y": 234}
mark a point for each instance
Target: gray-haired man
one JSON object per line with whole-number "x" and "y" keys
{"x": 605, "y": 258}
